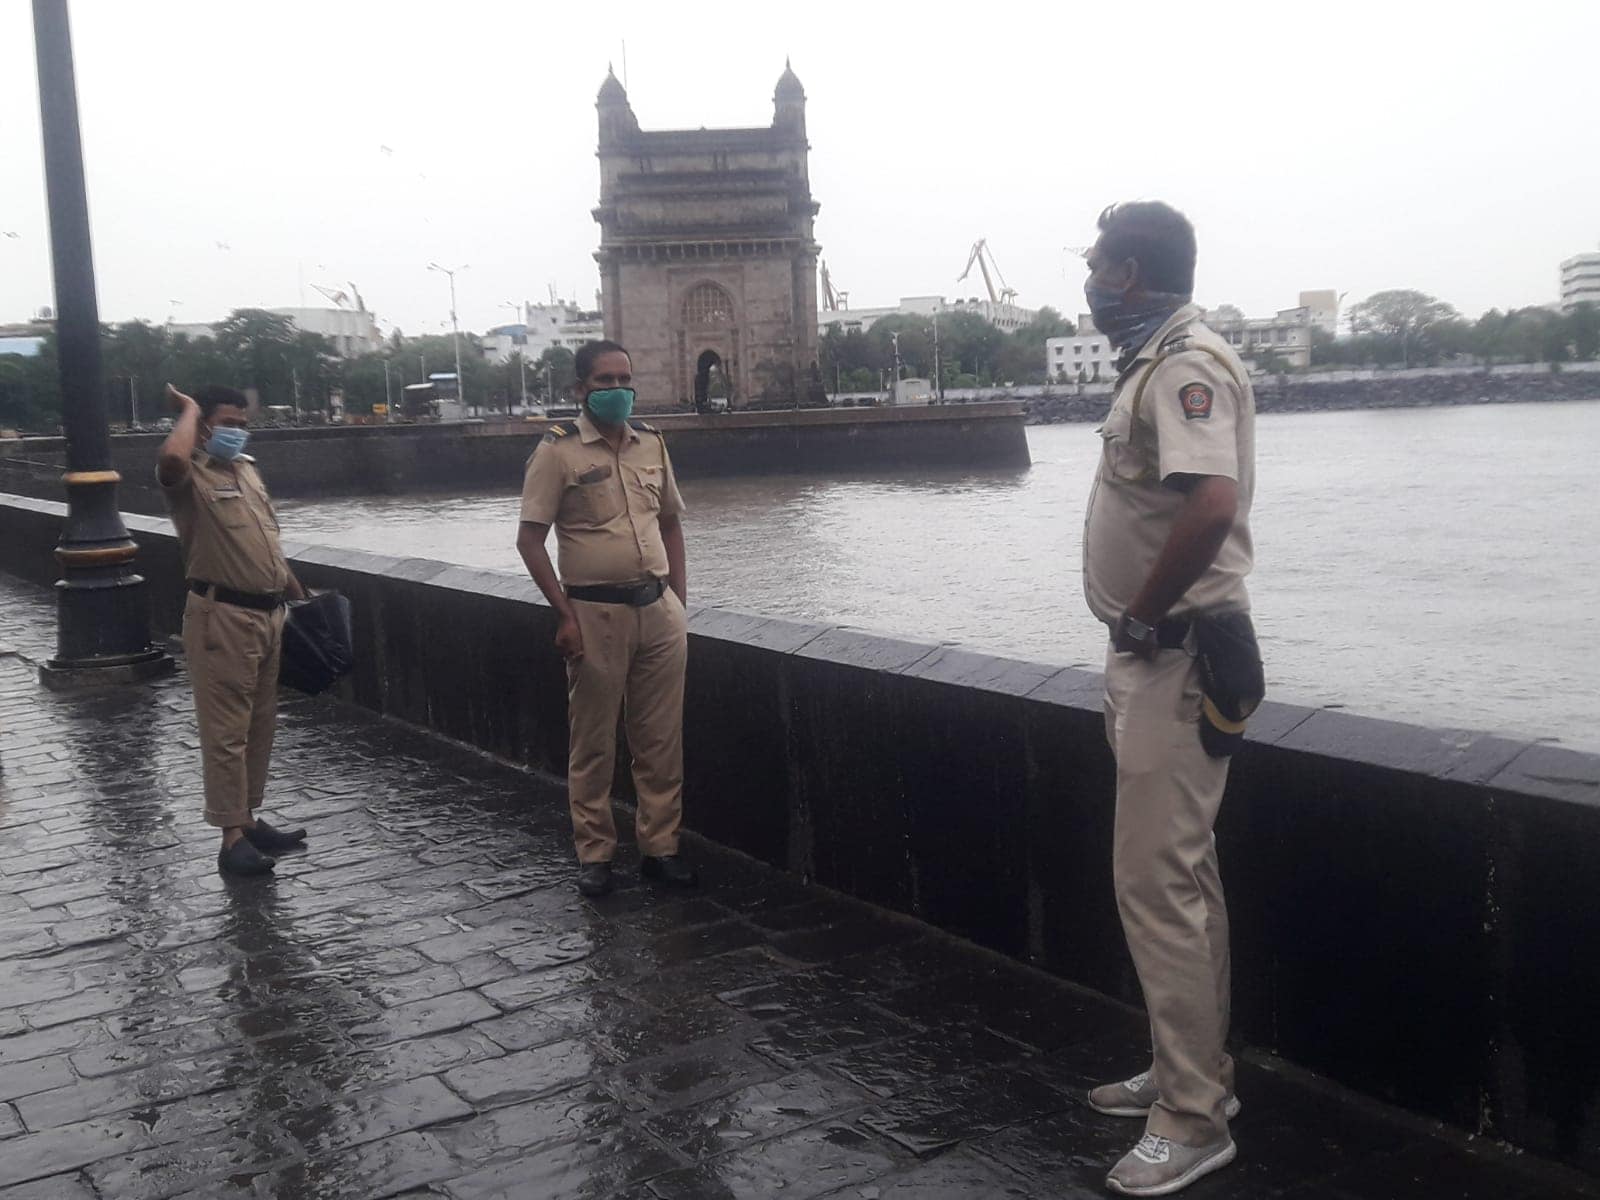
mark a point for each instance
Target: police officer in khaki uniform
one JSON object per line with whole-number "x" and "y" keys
{"x": 233, "y": 617}
{"x": 606, "y": 484}
{"x": 1167, "y": 541}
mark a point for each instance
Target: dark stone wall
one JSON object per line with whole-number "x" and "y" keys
{"x": 379, "y": 460}
{"x": 1413, "y": 909}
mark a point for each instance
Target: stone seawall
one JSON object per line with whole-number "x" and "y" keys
{"x": 1410, "y": 906}
{"x": 395, "y": 460}
{"x": 1395, "y": 389}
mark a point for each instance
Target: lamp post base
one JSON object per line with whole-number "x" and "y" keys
{"x": 61, "y": 676}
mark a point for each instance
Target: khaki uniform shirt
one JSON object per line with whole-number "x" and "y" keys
{"x": 226, "y": 525}
{"x": 606, "y": 506}
{"x": 1184, "y": 406}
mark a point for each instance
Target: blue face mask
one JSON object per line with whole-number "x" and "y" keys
{"x": 611, "y": 406}
{"x": 227, "y": 442}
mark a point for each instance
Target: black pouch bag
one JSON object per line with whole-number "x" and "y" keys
{"x": 318, "y": 648}
{"x": 1232, "y": 683}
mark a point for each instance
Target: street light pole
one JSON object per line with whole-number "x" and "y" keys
{"x": 455, "y": 331}
{"x": 522, "y": 354}
{"x": 102, "y": 611}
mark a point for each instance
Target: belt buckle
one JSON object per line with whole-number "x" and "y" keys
{"x": 642, "y": 597}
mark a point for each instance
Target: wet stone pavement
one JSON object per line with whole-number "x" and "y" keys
{"x": 421, "y": 1004}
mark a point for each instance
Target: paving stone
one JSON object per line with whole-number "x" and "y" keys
{"x": 10, "y": 1122}
{"x": 579, "y": 1112}
{"x": 588, "y": 1168}
{"x": 524, "y": 1074}
{"x": 57, "y": 1187}
{"x": 964, "y": 1108}
{"x": 810, "y": 1163}
{"x": 437, "y": 1014}
{"x": 389, "y": 1167}
{"x": 169, "y": 1170}
{"x": 688, "y": 1076}
{"x": 808, "y": 1035}
{"x": 957, "y": 1176}
{"x": 68, "y": 1148}
{"x": 35, "y": 1075}
{"x": 902, "y": 1064}
{"x": 372, "y": 1116}
{"x": 753, "y": 1114}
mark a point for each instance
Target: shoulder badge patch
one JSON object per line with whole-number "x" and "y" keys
{"x": 1195, "y": 399}
{"x": 643, "y": 427}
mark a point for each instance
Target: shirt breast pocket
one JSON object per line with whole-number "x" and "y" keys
{"x": 647, "y": 483}
{"x": 230, "y": 510}
{"x": 593, "y": 499}
{"x": 1124, "y": 461}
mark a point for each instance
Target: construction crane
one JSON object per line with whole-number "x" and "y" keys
{"x": 831, "y": 300}
{"x": 340, "y": 299}
{"x": 984, "y": 257}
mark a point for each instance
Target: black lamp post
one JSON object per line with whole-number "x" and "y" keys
{"x": 102, "y": 612}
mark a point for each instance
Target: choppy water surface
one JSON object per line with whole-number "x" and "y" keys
{"x": 1433, "y": 565}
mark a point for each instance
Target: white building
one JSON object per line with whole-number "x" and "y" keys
{"x": 1287, "y": 335}
{"x": 1580, "y": 281}
{"x": 1006, "y": 317}
{"x": 544, "y": 325}
{"x": 352, "y": 331}
{"x": 1083, "y": 358}
{"x": 1323, "y": 305}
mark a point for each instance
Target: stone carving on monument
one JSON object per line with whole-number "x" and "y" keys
{"x": 708, "y": 270}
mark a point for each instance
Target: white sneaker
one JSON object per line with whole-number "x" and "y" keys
{"x": 1135, "y": 1097}
{"x": 1159, "y": 1166}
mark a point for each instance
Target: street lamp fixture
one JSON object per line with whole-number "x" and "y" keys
{"x": 522, "y": 354}
{"x": 455, "y": 329}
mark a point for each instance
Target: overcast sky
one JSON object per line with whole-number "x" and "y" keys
{"x": 238, "y": 153}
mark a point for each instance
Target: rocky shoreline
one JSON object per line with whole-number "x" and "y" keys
{"x": 1300, "y": 393}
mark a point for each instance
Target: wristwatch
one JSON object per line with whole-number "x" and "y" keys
{"x": 1137, "y": 630}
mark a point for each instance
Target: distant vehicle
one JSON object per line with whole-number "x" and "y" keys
{"x": 914, "y": 391}
{"x": 561, "y": 410}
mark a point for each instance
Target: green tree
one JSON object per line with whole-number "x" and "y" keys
{"x": 1583, "y": 329}
{"x": 555, "y": 374}
{"x": 1401, "y": 316}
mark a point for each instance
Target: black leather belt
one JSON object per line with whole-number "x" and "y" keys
{"x": 262, "y": 601}
{"x": 639, "y": 595}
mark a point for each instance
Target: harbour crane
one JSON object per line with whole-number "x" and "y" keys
{"x": 984, "y": 258}
{"x": 832, "y": 300}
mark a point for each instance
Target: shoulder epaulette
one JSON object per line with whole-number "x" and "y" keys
{"x": 560, "y": 430}
{"x": 1174, "y": 344}
{"x": 642, "y": 427}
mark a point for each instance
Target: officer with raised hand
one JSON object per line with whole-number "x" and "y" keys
{"x": 606, "y": 484}
{"x": 233, "y": 616}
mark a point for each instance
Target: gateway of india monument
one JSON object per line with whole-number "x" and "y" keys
{"x": 708, "y": 270}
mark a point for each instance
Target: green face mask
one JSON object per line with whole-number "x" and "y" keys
{"x": 611, "y": 406}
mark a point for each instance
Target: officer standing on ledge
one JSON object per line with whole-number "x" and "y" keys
{"x": 606, "y": 484}
{"x": 233, "y": 617}
{"x": 1166, "y": 550}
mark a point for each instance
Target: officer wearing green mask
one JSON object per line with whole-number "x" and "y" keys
{"x": 605, "y": 484}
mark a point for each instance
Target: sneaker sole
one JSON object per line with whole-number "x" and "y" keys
{"x": 1230, "y": 1109}
{"x": 1199, "y": 1171}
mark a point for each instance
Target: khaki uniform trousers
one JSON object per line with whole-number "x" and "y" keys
{"x": 232, "y": 656}
{"x": 633, "y": 662}
{"x": 1169, "y": 892}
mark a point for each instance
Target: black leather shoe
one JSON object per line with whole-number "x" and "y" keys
{"x": 274, "y": 841}
{"x": 242, "y": 858}
{"x": 669, "y": 869}
{"x": 594, "y": 879}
